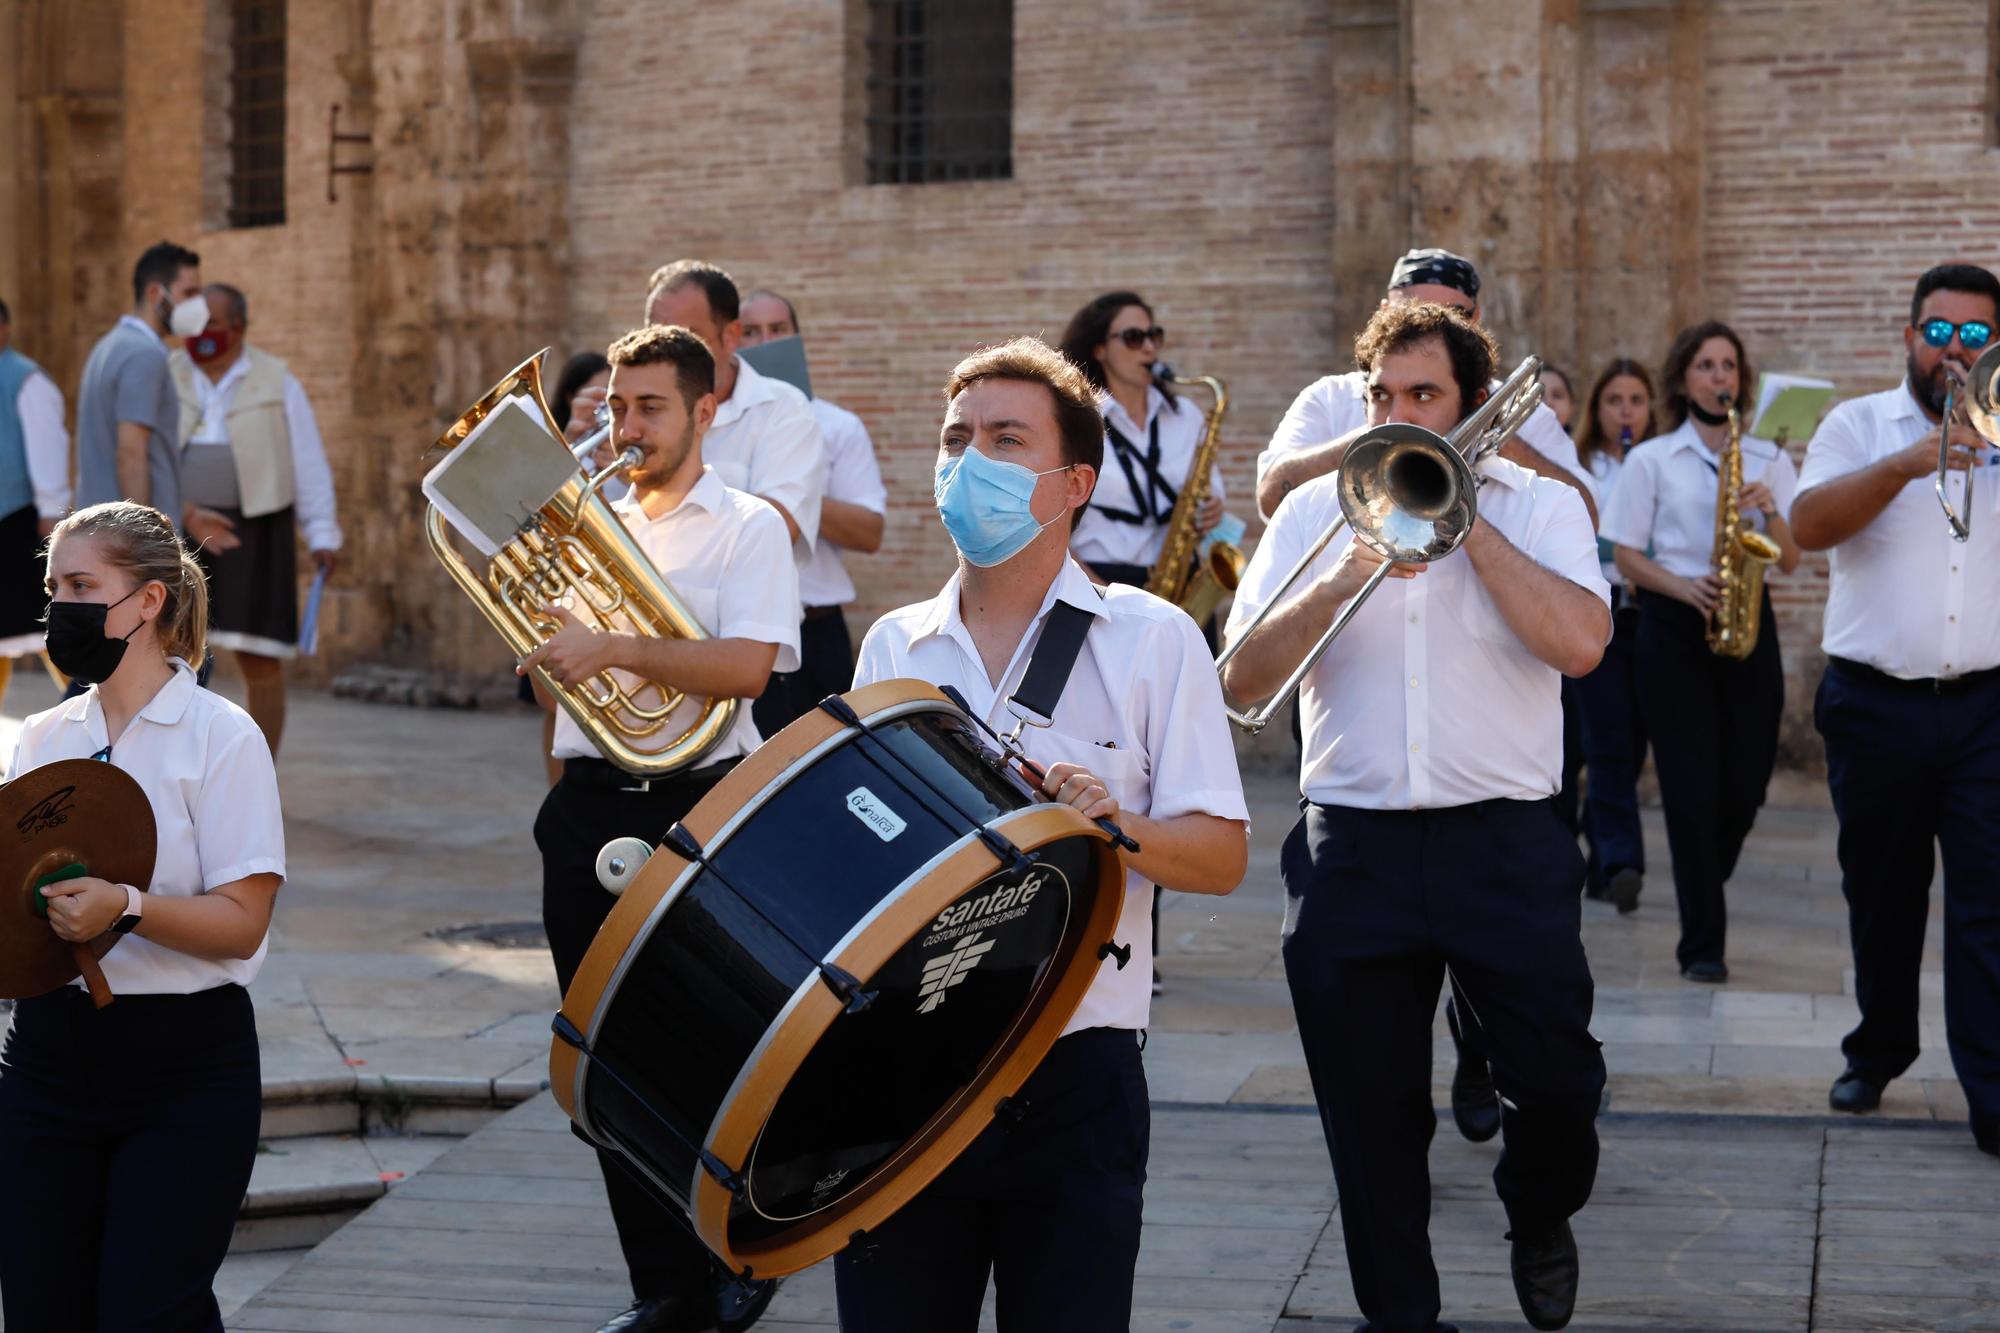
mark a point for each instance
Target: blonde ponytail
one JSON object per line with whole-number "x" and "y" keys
{"x": 141, "y": 541}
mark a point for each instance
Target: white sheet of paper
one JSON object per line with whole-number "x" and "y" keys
{"x": 492, "y": 484}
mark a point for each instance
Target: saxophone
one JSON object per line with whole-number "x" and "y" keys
{"x": 1174, "y": 576}
{"x": 1740, "y": 555}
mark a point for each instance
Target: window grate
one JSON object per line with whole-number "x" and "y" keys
{"x": 940, "y": 90}
{"x": 257, "y": 113}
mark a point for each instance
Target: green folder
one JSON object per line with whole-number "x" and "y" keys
{"x": 1794, "y": 413}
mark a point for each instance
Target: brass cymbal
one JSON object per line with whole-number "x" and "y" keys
{"x": 74, "y": 810}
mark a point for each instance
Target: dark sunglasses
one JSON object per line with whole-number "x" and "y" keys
{"x": 1137, "y": 338}
{"x": 1972, "y": 335}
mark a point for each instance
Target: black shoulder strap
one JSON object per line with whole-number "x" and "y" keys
{"x": 1055, "y": 657}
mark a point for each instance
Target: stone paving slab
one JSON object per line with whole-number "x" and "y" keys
{"x": 1696, "y": 1223}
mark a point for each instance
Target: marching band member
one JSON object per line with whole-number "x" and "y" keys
{"x": 765, "y": 440}
{"x": 1150, "y": 433}
{"x": 1713, "y": 719}
{"x": 1617, "y": 415}
{"x": 851, "y": 518}
{"x": 1312, "y": 437}
{"x": 1910, "y": 703}
{"x": 127, "y": 1133}
{"x": 1048, "y": 1199}
{"x": 1433, "y": 744}
{"x": 727, "y": 555}
{"x": 1559, "y": 396}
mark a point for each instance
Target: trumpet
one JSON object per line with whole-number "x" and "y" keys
{"x": 574, "y": 547}
{"x": 1973, "y": 395}
{"x": 1411, "y": 495}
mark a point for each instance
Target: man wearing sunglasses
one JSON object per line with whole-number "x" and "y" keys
{"x": 1329, "y": 412}
{"x": 1910, "y": 703}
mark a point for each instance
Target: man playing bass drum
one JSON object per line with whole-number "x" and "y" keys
{"x": 728, "y": 557}
{"x": 1047, "y": 1200}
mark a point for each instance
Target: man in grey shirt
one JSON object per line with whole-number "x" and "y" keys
{"x": 128, "y": 443}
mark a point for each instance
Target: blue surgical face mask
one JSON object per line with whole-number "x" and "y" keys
{"x": 985, "y": 505}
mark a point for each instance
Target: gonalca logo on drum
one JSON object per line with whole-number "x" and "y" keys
{"x": 949, "y": 969}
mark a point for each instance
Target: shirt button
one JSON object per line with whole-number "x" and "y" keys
{"x": 1954, "y": 569}
{"x": 1413, "y": 748}
{"x": 1413, "y": 619}
{"x": 1413, "y": 682}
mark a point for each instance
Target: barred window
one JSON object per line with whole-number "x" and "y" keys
{"x": 940, "y": 90}
{"x": 256, "y": 113}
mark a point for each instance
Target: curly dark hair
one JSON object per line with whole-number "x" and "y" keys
{"x": 1397, "y": 325}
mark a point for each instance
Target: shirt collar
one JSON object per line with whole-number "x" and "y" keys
{"x": 167, "y": 706}
{"x": 143, "y": 327}
{"x": 1507, "y": 472}
{"x": 1155, "y": 403}
{"x": 237, "y": 370}
{"x": 1072, "y": 585}
{"x": 1906, "y": 404}
{"x": 705, "y": 494}
{"x": 751, "y": 389}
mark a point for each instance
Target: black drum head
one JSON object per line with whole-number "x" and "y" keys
{"x": 944, "y": 1007}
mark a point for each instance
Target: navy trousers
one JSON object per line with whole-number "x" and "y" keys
{"x": 1913, "y": 766}
{"x": 1046, "y": 1202}
{"x": 1714, "y": 726}
{"x": 1379, "y": 905}
{"x": 126, "y": 1139}
{"x": 1614, "y": 750}
{"x": 589, "y": 807}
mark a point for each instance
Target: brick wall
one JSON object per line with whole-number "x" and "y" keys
{"x": 1619, "y": 169}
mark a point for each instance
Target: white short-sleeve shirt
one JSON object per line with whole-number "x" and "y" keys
{"x": 728, "y": 558}
{"x": 1604, "y": 470}
{"x": 1427, "y": 699}
{"x": 1142, "y": 710}
{"x": 1666, "y": 496}
{"x": 765, "y": 440}
{"x": 207, "y": 773}
{"x": 1331, "y": 407}
{"x": 1905, "y": 598}
{"x": 1102, "y": 539}
{"x": 852, "y": 476}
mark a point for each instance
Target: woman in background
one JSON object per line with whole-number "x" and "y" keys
{"x": 1617, "y": 415}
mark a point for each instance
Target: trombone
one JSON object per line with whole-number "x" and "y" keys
{"x": 1410, "y": 494}
{"x": 1972, "y": 393}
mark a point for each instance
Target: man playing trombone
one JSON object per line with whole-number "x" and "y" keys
{"x": 1432, "y": 747}
{"x": 1910, "y": 703}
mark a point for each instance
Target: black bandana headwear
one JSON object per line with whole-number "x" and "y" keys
{"x": 1440, "y": 267}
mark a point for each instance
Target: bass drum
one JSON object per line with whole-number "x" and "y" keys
{"x": 816, "y": 992}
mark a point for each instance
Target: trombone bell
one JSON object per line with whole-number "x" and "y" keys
{"x": 1407, "y": 493}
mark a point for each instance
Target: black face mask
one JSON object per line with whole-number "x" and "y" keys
{"x": 78, "y": 644}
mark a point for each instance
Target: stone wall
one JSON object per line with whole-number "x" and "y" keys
{"x": 1618, "y": 167}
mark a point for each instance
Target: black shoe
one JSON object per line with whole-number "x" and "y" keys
{"x": 1545, "y": 1276}
{"x": 1623, "y": 890}
{"x": 1475, "y": 1106}
{"x": 1712, "y": 970}
{"x": 1854, "y": 1094}
{"x": 1988, "y": 1140}
{"x": 740, "y": 1304}
{"x": 663, "y": 1314}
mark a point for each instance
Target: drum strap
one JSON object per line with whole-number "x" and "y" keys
{"x": 1063, "y": 632}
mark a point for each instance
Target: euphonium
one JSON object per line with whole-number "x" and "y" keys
{"x": 1739, "y": 556}
{"x": 575, "y": 550}
{"x": 1197, "y": 590}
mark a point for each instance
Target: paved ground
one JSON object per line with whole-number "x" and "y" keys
{"x": 404, "y": 824}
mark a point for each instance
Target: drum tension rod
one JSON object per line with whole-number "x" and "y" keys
{"x": 1012, "y": 859}
{"x": 715, "y": 1166}
{"x": 1113, "y": 949}
{"x": 847, "y": 986}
